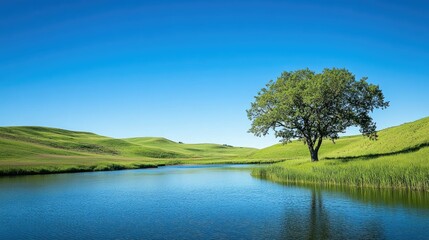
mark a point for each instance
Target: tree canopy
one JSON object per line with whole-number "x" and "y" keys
{"x": 311, "y": 106}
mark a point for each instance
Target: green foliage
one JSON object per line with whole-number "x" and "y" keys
{"x": 311, "y": 107}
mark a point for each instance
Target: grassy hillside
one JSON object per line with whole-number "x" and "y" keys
{"x": 192, "y": 150}
{"x": 399, "y": 159}
{"x": 404, "y": 138}
{"x": 27, "y": 150}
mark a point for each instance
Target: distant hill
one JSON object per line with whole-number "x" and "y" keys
{"x": 18, "y": 142}
{"x": 35, "y": 149}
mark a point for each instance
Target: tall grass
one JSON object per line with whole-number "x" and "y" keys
{"x": 405, "y": 171}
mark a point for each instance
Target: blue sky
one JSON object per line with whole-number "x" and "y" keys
{"x": 188, "y": 70}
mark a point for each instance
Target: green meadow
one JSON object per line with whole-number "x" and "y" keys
{"x": 398, "y": 159}
{"x": 39, "y": 150}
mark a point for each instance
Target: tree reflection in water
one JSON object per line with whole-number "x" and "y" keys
{"x": 315, "y": 223}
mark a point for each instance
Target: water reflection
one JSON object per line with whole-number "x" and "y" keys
{"x": 374, "y": 196}
{"x": 317, "y": 222}
{"x": 204, "y": 202}
{"x": 385, "y": 197}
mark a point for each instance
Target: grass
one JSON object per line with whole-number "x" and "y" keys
{"x": 41, "y": 150}
{"x": 399, "y": 159}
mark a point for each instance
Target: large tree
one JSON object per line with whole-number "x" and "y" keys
{"x": 311, "y": 106}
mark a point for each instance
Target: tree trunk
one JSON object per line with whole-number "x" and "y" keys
{"x": 314, "y": 147}
{"x": 314, "y": 154}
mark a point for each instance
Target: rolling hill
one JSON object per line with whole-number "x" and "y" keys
{"x": 28, "y": 150}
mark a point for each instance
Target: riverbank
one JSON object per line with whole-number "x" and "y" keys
{"x": 113, "y": 166}
{"x": 399, "y": 171}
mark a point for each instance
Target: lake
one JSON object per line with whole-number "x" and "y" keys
{"x": 201, "y": 202}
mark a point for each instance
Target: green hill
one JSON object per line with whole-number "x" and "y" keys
{"x": 400, "y": 139}
{"x": 398, "y": 159}
{"x": 28, "y": 150}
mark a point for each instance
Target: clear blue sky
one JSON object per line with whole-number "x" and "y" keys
{"x": 188, "y": 70}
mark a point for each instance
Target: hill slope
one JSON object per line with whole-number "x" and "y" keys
{"x": 41, "y": 149}
{"x": 404, "y": 138}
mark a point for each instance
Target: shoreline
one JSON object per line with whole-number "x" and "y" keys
{"x": 379, "y": 175}
{"x": 45, "y": 170}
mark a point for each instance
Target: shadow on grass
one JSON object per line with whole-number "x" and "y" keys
{"x": 375, "y": 155}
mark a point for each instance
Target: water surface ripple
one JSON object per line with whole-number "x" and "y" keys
{"x": 201, "y": 202}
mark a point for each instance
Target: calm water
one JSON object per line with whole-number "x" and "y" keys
{"x": 201, "y": 202}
